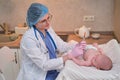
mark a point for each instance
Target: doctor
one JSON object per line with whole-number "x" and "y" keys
{"x": 40, "y": 45}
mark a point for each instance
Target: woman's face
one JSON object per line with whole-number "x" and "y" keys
{"x": 44, "y": 23}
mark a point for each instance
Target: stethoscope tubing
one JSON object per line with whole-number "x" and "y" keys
{"x": 49, "y": 36}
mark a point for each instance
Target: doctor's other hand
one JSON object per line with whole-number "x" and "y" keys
{"x": 67, "y": 57}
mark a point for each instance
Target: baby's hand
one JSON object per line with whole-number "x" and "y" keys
{"x": 95, "y": 45}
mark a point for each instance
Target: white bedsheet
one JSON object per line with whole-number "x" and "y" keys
{"x": 75, "y": 72}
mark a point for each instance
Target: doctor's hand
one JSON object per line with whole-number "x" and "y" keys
{"x": 67, "y": 57}
{"x": 82, "y": 44}
{"x": 78, "y": 49}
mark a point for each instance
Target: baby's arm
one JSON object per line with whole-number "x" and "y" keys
{"x": 81, "y": 62}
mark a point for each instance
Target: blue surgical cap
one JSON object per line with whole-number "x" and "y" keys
{"x": 35, "y": 13}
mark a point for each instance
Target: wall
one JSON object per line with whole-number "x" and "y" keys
{"x": 67, "y": 14}
{"x": 117, "y": 19}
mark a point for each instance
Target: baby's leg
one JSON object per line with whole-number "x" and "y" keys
{"x": 99, "y": 49}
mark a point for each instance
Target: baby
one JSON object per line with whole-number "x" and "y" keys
{"x": 92, "y": 56}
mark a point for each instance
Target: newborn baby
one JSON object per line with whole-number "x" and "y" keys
{"x": 92, "y": 56}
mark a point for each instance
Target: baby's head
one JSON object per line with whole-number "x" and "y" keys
{"x": 102, "y": 62}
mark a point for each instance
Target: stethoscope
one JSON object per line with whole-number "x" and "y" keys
{"x": 35, "y": 29}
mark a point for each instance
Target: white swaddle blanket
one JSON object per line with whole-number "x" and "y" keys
{"x": 6, "y": 56}
{"x": 75, "y": 72}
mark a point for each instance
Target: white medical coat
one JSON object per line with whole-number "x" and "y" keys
{"x": 35, "y": 60}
